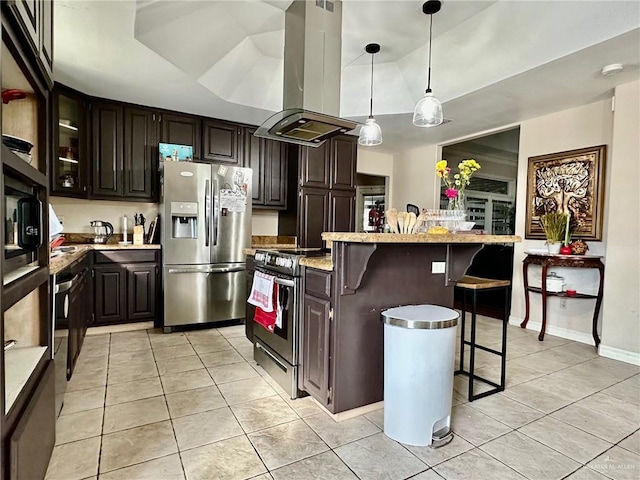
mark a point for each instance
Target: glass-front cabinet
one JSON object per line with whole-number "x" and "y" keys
{"x": 70, "y": 159}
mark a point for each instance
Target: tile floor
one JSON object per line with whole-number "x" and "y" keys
{"x": 145, "y": 405}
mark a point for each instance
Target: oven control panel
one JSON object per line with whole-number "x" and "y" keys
{"x": 277, "y": 261}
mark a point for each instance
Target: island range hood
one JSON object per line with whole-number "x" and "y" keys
{"x": 311, "y": 100}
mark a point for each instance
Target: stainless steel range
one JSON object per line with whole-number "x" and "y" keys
{"x": 277, "y": 352}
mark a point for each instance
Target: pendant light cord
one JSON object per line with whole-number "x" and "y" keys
{"x": 429, "y": 71}
{"x": 371, "y": 90}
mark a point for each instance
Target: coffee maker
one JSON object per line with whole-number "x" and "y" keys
{"x": 102, "y": 231}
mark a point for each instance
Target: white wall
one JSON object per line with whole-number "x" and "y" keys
{"x": 376, "y": 163}
{"x": 621, "y": 304}
{"x": 264, "y": 222}
{"x": 580, "y": 127}
{"x": 414, "y": 180}
{"x": 77, "y": 213}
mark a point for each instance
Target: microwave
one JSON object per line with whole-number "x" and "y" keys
{"x": 22, "y": 225}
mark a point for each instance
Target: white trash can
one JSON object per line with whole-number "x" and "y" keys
{"x": 419, "y": 350}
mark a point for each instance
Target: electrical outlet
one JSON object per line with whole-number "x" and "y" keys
{"x": 563, "y": 303}
{"x": 438, "y": 267}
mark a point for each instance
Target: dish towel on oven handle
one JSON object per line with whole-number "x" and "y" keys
{"x": 269, "y": 320}
{"x": 262, "y": 291}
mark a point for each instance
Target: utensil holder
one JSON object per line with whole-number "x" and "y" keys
{"x": 138, "y": 235}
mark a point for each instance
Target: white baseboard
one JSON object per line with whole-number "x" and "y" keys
{"x": 625, "y": 356}
{"x": 619, "y": 354}
{"x": 581, "y": 337}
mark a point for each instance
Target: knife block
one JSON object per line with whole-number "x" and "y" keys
{"x": 138, "y": 235}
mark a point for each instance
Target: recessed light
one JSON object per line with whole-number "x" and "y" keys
{"x": 612, "y": 69}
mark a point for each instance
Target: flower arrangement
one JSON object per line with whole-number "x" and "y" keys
{"x": 458, "y": 182}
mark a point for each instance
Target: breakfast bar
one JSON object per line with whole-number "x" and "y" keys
{"x": 342, "y": 332}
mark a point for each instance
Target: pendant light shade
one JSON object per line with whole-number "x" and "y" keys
{"x": 428, "y": 111}
{"x": 370, "y": 132}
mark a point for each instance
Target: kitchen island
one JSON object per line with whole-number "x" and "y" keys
{"x": 341, "y": 329}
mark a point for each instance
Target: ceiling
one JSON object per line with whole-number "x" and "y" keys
{"x": 495, "y": 63}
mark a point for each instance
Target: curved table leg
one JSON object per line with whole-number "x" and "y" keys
{"x": 525, "y": 267}
{"x": 544, "y": 303}
{"x": 596, "y": 338}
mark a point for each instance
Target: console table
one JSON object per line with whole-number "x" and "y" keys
{"x": 572, "y": 261}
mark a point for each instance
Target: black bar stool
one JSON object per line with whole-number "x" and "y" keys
{"x": 473, "y": 285}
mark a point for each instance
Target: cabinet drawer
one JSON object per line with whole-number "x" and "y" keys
{"x": 127, "y": 256}
{"x": 317, "y": 283}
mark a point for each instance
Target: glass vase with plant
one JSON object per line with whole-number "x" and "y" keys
{"x": 455, "y": 184}
{"x": 554, "y": 226}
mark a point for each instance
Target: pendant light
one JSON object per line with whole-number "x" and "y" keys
{"x": 428, "y": 111}
{"x": 370, "y": 132}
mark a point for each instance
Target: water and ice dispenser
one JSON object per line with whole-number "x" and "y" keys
{"x": 184, "y": 219}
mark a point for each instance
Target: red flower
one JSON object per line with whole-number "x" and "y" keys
{"x": 451, "y": 193}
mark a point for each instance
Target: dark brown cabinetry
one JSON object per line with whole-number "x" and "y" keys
{"x": 141, "y": 131}
{"x": 34, "y": 18}
{"x": 110, "y": 294}
{"x": 106, "y": 152}
{"x": 182, "y": 130}
{"x": 313, "y": 216}
{"x": 70, "y": 165}
{"x": 268, "y": 160}
{"x": 126, "y": 286}
{"x": 316, "y": 347}
{"x": 222, "y": 143}
{"x": 326, "y": 195}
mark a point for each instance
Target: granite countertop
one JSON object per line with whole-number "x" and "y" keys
{"x": 321, "y": 263}
{"x": 60, "y": 262}
{"x": 417, "y": 238}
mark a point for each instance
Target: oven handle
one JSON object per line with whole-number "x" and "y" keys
{"x": 283, "y": 282}
{"x": 270, "y": 355}
{"x": 278, "y": 280}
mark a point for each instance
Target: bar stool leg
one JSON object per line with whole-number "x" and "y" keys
{"x": 472, "y": 353}
{"x": 505, "y": 322}
{"x": 462, "y": 332}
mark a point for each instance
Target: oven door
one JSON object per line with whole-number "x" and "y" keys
{"x": 283, "y": 339}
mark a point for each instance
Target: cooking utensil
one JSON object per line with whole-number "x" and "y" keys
{"x": 392, "y": 219}
{"x": 401, "y": 227}
{"x": 103, "y": 231}
{"x": 412, "y": 222}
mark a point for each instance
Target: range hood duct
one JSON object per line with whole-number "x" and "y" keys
{"x": 311, "y": 100}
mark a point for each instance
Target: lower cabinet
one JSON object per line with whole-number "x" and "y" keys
{"x": 126, "y": 286}
{"x": 316, "y": 334}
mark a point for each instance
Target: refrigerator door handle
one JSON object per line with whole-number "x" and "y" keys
{"x": 239, "y": 268}
{"x": 215, "y": 211}
{"x": 207, "y": 212}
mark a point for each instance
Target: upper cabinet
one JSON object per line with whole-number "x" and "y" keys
{"x": 343, "y": 162}
{"x": 141, "y": 131}
{"x": 106, "y": 152}
{"x": 268, "y": 160}
{"x": 70, "y": 163}
{"x": 222, "y": 143}
{"x": 34, "y": 19}
{"x": 182, "y": 130}
{"x": 315, "y": 166}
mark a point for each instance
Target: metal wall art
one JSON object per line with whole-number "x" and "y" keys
{"x": 567, "y": 182}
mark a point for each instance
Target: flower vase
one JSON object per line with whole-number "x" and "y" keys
{"x": 553, "y": 247}
{"x": 457, "y": 203}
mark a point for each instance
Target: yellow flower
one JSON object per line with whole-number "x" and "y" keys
{"x": 441, "y": 165}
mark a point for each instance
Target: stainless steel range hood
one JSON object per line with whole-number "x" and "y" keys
{"x": 311, "y": 100}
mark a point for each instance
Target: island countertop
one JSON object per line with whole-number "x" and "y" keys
{"x": 353, "y": 237}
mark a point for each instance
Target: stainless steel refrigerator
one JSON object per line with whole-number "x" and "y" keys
{"x": 206, "y": 223}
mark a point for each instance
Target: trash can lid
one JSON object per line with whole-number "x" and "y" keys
{"x": 428, "y": 317}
